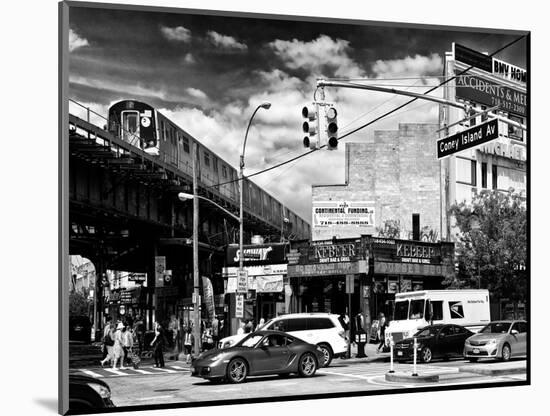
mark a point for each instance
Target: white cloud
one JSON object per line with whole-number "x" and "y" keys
{"x": 314, "y": 56}
{"x": 225, "y": 42}
{"x": 189, "y": 59}
{"x": 179, "y": 34}
{"x": 193, "y": 92}
{"x": 409, "y": 66}
{"x": 76, "y": 41}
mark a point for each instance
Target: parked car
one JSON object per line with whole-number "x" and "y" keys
{"x": 322, "y": 329}
{"x": 499, "y": 339}
{"x": 434, "y": 341}
{"x": 80, "y": 328}
{"x": 259, "y": 353}
{"x": 88, "y": 393}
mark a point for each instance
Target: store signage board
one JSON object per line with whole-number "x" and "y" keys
{"x": 242, "y": 281}
{"x": 343, "y": 219}
{"x": 382, "y": 267}
{"x": 239, "y": 306}
{"x": 467, "y": 139}
{"x": 257, "y": 254}
{"x": 327, "y": 269}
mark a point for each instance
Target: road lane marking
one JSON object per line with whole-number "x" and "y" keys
{"x": 115, "y": 372}
{"x": 166, "y": 370}
{"x": 171, "y": 396}
{"x": 137, "y": 370}
{"x": 90, "y": 373}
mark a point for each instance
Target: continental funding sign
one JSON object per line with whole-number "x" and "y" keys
{"x": 468, "y": 138}
{"x": 342, "y": 219}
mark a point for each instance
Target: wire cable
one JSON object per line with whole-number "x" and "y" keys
{"x": 461, "y": 73}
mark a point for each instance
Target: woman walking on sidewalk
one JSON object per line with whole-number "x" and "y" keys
{"x": 118, "y": 350}
{"x": 108, "y": 343}
{"x": 381, "y": 331}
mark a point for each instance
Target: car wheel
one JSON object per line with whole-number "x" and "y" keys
{"x": 506, "y": 352}
{"x": 237, "y": 370}
{"x": 307, "y": 366}
{"x": 327, "y": 353}
{"x": 426, "y": 355}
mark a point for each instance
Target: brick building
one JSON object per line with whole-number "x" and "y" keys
{"x": 396, "y": 174}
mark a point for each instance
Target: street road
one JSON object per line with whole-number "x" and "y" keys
{"x": 174, "y": 384}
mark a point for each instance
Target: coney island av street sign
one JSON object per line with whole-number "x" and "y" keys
{"x": 466, "y": 139}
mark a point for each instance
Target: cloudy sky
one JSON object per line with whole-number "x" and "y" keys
{"x": 209, "y": 73}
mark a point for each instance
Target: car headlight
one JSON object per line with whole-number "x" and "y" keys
{"x": 491, "y": 342}
{"x": 103, "y": 391}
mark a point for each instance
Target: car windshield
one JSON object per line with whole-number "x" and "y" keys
{"x": 401, "y": 310}
{"x": 425, "y": 332}
{"x": 417, "y": 309}
{"x": 250, "y": 341}
{"x": 496, "y": 328}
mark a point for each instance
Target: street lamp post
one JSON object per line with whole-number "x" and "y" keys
{"x": 196, "y": 304}
{"x": 266, "y": 106}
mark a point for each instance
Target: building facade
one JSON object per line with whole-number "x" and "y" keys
{"x": 501, "y": 163}
{"x": 395, "y": 175}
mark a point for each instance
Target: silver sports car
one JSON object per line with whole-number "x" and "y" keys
{"x": 259, "y": 353}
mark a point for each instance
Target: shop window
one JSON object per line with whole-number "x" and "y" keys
{"x": 484, "y": 175}
{"x": 215, "y": 164}
{"x": 515, "y": 132}
{"x": 206, "y": 159}
{"x": 466, "y": 171}
{"x": 484, "y": 115}
{"x": 224, "y": 171}
{"x": 494, "y": 174}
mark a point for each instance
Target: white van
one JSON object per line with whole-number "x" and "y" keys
{"x": 415, "y": 310}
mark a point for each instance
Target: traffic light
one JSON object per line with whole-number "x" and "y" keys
{"x": 309, "y": 126}
{"x": 332, "y": 128}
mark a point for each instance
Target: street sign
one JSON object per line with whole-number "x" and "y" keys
{"x": 350, "y": 279}
{"x": 242, "y": 281}
{"x": 239, "y": 306}
{"x": 468, "y": 138}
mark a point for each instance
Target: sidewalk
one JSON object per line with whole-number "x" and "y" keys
{"x": 495, "y": 368}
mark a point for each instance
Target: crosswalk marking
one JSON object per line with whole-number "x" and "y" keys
{"x": 130, "y": 371}
{"x": 115, "y": 371}
{"x": 137, "y": 370}
{"x": 91, "y": 373}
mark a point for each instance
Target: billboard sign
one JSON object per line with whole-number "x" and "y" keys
{"x": 342, "y": 219}
{"x": 484, "y": 91}
{"x": 468, "y": 138}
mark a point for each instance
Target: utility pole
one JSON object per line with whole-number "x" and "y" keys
{"x": 196, "y": 296}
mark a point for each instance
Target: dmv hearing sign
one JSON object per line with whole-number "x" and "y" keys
{"x": 468, "y": 138}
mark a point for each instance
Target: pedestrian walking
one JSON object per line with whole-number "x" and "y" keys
{"x": 127, "y": 344}
{"x": 382, "y": 325}
{"x": 139, "y": 331}
{"x": 344, "y": 321}
{"x": 360, "y": 336}
{"x": 118, "y": 350}
{"x": 248, "y": 327}
{"x": 188, "y": 341}
{"x": 240, "y": 329}
{"x": 215, "y": 331}
{"x": 207, "y": 340}
{"x": 108, "y": 342}
{"x": 260, "y": 324}
{"x": 158, "y": 346}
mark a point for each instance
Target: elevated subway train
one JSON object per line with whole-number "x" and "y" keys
{"x": 143, "y": 126}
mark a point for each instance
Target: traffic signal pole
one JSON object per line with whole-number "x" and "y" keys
{"x": 342, "y": 84}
